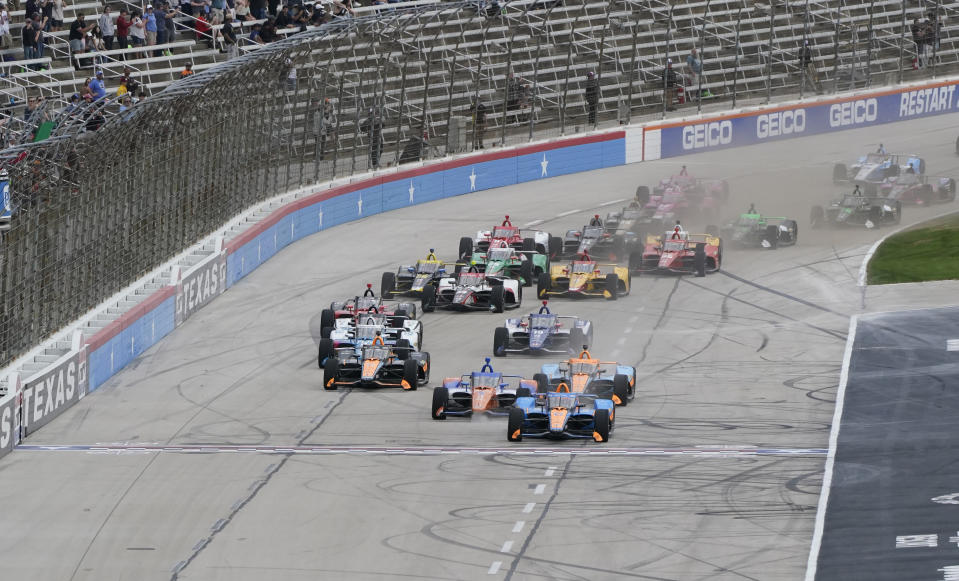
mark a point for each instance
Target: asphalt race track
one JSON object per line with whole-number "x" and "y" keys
{"x": 218, "y": 456}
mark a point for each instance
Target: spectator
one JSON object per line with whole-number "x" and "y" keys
{"x": 918, "y": 37}
{"x": 343, "y": 9}
{"x": 807, "y": 68}
{"x": 29, "y": 39}
{"x": 291, "y": 75}
{"x": 56, "y": 15}
{"x": 33, "y": 113}
{"x": 694, "y": 68}
{"x": 125, "y": 103}
{"x": 107, "y": 28}
{"x": 373, "y": 127}
{"x": 6, "y": 41}
{"x": 669, "y": 84}
{"x": 513, "y": 91}
{"x": 150, "y": 26}
{"x": 283, "y": 19}
{"x": 203, "y": 30}
{"x": 243, "y": 11}
{"x": 301, "y": 18}
{"x": 97, "y": 87}
{"x": 217, "y": 9}
{"x": 39, "y": 26}
{"x": 128, "y": 80}
{"x": 268, "y": 31}
{"x": 187, "y": 71}
{"x": 592, "y": 96}
{"x": 169, "y": 14}
{"x": 258, "y": 9}
{"x": 137, "y": 30}
{"x": 123, "y": 29}
{"x": 319, "y": 15}
{"x": 46, "y": 13}
{"x": 273, "y": 4}
{"x": 479, "y": 125}
{"x": 122, "y": 89}
{"x": 160, "y": 14}
{"x": 255, "y": 34}
{"x": 413, "y": 150}
{"x": 31, "y": 8}
{"x": 326, "y": 124}
{"x": 229, "y": 38}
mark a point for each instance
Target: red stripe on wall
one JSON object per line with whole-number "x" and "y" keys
{"x": 127, "y": 318}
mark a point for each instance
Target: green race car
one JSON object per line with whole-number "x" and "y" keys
{"x": 502, "y": 261}
{"x": 755, "y": 230}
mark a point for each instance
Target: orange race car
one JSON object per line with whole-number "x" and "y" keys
{"x": 584, "y": 374}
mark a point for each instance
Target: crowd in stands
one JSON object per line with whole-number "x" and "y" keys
{"x": 926, "y": 33}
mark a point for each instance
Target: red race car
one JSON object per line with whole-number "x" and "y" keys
{"x": 368, "y": 304}
{"x": 921, "y": 190}
{"x": 680, "y": 252}
{"x": 523, "y": 240}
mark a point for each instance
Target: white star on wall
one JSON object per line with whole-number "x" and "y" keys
{"x": 411, "y": 190}
{"x": 472, "y": 180}
{"x": 543, "y": 165}
{"x": 359, "y": 206}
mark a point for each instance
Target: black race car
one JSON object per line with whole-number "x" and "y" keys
{"x": 856, "y": 210}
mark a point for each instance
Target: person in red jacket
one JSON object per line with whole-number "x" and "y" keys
{"x": 123, "y": 29}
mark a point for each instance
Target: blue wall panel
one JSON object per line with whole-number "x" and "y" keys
{"x": 139, "y": 336}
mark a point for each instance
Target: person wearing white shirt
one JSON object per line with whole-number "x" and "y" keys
{"x": 6, "y": 41}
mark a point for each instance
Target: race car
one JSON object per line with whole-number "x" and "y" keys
{"x": 680, "y": 252}
{"x": 369, "y": 303}
{"x": 584, "y": 277}
{"x": 872, "y": 169}
{"x": 599, "y": 239}
{"x": 753, "y": 229}
{"x": 583, "y": 374}
{"x": 470, "y": 290}
{"x": 921, "y": 190}
{"x": 398, "y": 331}
{"x": 542, "y": 332}
{"x": 856, "y": 210}
{"x": 417, "y": 280}
{"x": 501, "y": 261}
{"x": 376, "y": 365}
{"x": 560, "y": 416}
{"x": 525, "y": 240}
{"x": 479, "y": 391}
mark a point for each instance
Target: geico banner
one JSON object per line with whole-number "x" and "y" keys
{"x": 795, "y": 121}
{"x": 50, "y": 393}
{"x": 202, "y": 284}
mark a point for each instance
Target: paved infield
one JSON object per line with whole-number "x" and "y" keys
{"x": 892, "y": 511}
{"x": 720, "y": 456}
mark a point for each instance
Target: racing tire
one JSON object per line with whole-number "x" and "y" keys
{"x": 543, "y": 284}
{"x": 875, "y": 216}
{"x": 403, "y": 349}
{"x": 497, "y": 298}
{"x": 772, "y": 236}
{"x": 712, "y": 230}
{"x": 577, "y": 338}
{"x": 529, "y": 245}
{"x": 555, "y": 246}
{"x": 428, "y": 299}
{"x": 324, "y": 352}
{"x": 523, "y": 392}
{"x": 636, "y": 260}
{"x": 817, "y": 216}
{"x": 621, "y": 389}
{"x": 601, "y": 424}
{"x": 839, "y": 173}
{"x": 426, "y": 373}
{"x": 330, "y": 370}
{"x": 526, "y": 272}
{"x": 411, "y": 373}
{"x": 500, "y": 341}
{"x": 642, "y": 195}
{"x": 327, "y": 318}
{"x": 795, "y": 231}
{"x": 542, "y": 382}
{"x": 441, "y": 398}
{"x": 387, "y": 284}
{"x": 612, "y": 286}
{"x": 400, "y": 314}
{"x": 514, "y": 426}
{"x": 466, "y": 247}
{"x": 699, "y": 261}
{"x": 325, "y": 332}
{"x": 951, "y": 191}
{"x": 898, "y": 211}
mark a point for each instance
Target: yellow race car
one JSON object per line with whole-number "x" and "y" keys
{"x": 584, "y": 277}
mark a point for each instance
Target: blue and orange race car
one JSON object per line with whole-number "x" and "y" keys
{"x": 561, "y": 415}
{"x": 480, "y": 391}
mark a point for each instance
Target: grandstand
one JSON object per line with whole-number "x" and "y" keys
{"x": 113, "y": 191}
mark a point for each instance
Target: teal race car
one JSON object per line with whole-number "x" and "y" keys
{"x": 754, "y": 230}
{"x": 502, "y": 261}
